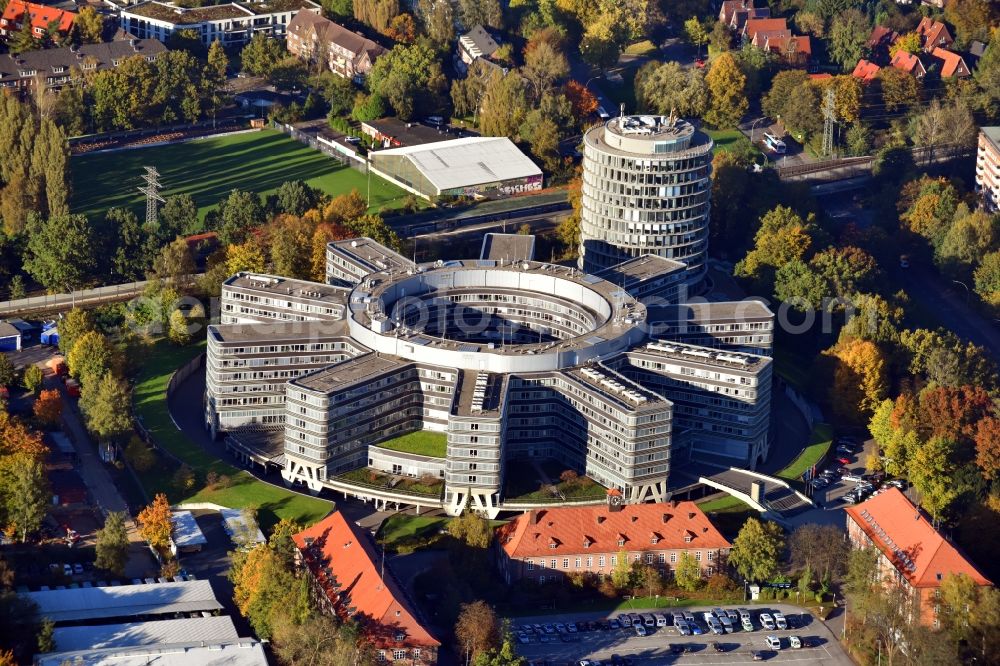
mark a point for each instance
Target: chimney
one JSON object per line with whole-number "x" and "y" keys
{"x": 672, "y": 504}
{"x": 131, "y": 42}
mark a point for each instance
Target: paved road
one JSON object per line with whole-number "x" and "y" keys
{"x": 948, "y": 302}
{"x": 103, "y": 491}
{"x": 655, "y": 648}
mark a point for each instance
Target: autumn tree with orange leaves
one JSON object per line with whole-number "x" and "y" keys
{"x": 860, "y": 379}
{"x": 988, "y": 447}
{"x": 48, "y": 407}
{"x": 155, "y": 524}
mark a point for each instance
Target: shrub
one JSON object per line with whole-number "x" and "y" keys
{"x": 139, "y": 455}
{"x": 184, "y": 478}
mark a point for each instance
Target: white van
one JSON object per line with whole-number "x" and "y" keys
{"x": 661, "y": 620}
{"x": 774, "y": 144}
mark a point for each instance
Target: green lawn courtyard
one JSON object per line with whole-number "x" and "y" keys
{"x": 420, "y": 442}
{"x": 208, "y": 169}
{"x": 150, "y": 404}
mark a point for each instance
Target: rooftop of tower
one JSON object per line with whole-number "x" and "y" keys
{"x": 648, "y": 134}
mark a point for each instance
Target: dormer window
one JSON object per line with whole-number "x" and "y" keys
{"x": 58, "y": 70}
{"x": 115, "y": 62}
{"x": 687, "y": 538}
{"x": 654, "y": 539}
{"x": 587, "y": 543}
{"x": 400, "y": 636}
{"x": 621, "y": 542}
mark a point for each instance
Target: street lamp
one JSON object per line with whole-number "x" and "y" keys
{"x": 968, "y": 294}
{"x": 754, "y": 125}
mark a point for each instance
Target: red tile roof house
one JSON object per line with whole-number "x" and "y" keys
{"x": 796, "y": 49}
{"x": 882, "y": 38}
{"x": 934, "y": 33}
{"x": 952, "y": 64}
{"x": 912, "y": 552}
{"x": 866, "y": 71}
{"x": 41, "y": 16}
{"x": 753, "y": 26}
{"x": 546, "y": 545}
{"x": 347, "y": 582}
{"x": 735, "y": 13}
{"x": 909, "y": 63}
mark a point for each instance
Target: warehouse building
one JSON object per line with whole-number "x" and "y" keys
{"x": 471, "y": 166}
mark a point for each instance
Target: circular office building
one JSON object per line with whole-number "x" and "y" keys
{"x": 646, "y": 189}
{"x": 444, "y": 384}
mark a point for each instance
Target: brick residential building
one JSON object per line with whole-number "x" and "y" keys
{"x": 349, "y": 582}
{"x": 42, "y": 17}
{"x": 909, "y": 63}
{"x": 56, "y": 66}
{"x": 348, "y": 54}
{"x": 866, "y": 71}
{"x": 549, "y": 544}
{"x": 952, "y": 64}
{"x": 934, "y": 34}
{"x": 988, "y": 167}
{"x": 911, "y": 552}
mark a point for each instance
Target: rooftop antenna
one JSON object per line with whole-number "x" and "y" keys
{"x": 623, "y": 110}
{"x": 152, "y": 192}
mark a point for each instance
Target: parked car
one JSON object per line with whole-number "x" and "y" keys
{"x": 794, "y": 642}
{"x": 766, "y": 621}
{"x": 640, "y": 630}
{"x": 779, "y": 620}
{"x": 747, "y": 624}
{"x": 522, "y": 637}
{"x": 616, "y": 623}
{"x": 773, "y": 643}
{"x": 68, "y": 570}
{"x": 844, "y": 461}
{"x": 855, "y": 478}
{"x": 683, "y": 628}
{"x": 718, "y": 647}
{"x": 757, "y": 655}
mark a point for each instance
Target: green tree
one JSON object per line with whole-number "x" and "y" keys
{"x": 179, "y": 332}
{"x": 687, "y": 573}
{"x": 33, "y": 378}
{"x": 289, "y": 73}
{"x": 859, "y": 139}
{"x": 377, "y": 14}
{"x": 179, "y": 215}
{"x": 544, "y": 64}
{"x": 801, "y": 112}
{"x": 89, "y": 25}
{"x": 175, "y": 262}
{"x": 281, "y": 541}
{"x": 481, "y": 12}
{"x": 46, "y": 641}
{"x": 295, "y": 197}
{"x": 601, "y": 45}
{"x": 8, "y": 373}
{"x": 131, "y": 257}
{"x": 24, "y": 39}
{"x": 726, "y": 86}
{"x": 798, "y": 284}
{"x": 756, "y": 550}
{"x": 16, "y": 290}
{"x": 106, "y": 408}
{"x": 91, "y": 356}
{"x": 987, "y": 279}
{"x": 505, "y": 655}
{"x": 969, "y": 238}
{"x": 933, "y": 474}
{"x": 663, "y": 87}
{"x": 50, "y": 168}
{"x": 72, "y": 327}
{"x": 410, "y": 78}
{"x": 439, "y": 20}
{"x": 972, "y": 20}
{"x": 53, "y": 255}
{"x": 502, "y": 105}
{"x": 261, "y": 54}
{"x": 239, "y": 214}
{"x": 848, "y": 35}
{"x": 696, "y": 33}
{"x": 369, "y": 107}
{"x": 339, "y": 8}
{"x": 28, "y": 496}
{"x": 986, "y": 75}
{"x": 374, "y": 227}
{"x": 112, "y": 544}
{"x": 783, "y": 86}
{"x": 213, "y": 76}
{"x": 472, "y": 528}
{"x": 621, "y": 574}
{"x": 783, "y": 236}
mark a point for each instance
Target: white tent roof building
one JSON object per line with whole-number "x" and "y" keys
{"x": 467, "y": 166}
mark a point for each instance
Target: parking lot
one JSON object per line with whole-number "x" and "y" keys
{"x": 846, "y": 474}
{"x": 549, "y": 645}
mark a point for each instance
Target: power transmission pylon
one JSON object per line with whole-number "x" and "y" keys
{"x": 152, "y": 192}
{"x": 829, "y": 119}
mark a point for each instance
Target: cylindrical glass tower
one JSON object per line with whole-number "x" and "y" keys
{"x": 646, "y": 190}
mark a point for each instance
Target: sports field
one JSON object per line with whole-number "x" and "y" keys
{"x": 208, "y": 169}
